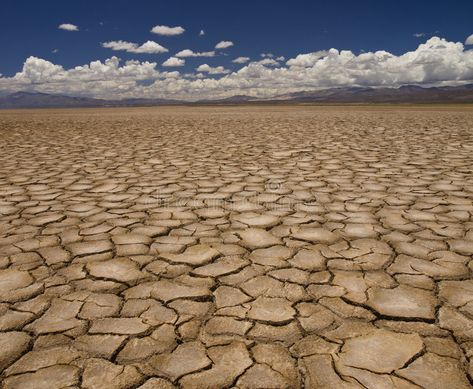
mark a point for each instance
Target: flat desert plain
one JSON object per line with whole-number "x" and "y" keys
{"x": 237, "y": 247}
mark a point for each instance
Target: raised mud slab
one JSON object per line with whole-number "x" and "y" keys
{"x": 236, "y": 247}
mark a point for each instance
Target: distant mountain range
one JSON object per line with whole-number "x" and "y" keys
{"x": 411, "y": 94}
{"x": 403, "y": 94}
{"x": 46, "y": 100}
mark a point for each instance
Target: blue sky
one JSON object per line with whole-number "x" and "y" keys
{"x": 283, "y": 28}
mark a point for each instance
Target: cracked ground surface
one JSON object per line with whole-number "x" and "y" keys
{"x": 270, "y": 247}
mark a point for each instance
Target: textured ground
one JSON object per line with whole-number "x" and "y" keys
{"x": 236, "y": 247}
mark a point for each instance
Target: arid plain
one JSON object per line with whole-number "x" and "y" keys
{"x": 237, "y": 247}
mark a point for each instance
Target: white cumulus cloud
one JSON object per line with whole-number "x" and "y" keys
{"x": 201, "y": 33}
{"x": 168, "y": 31}
{"x": 149, "y": 47}
{"x": 469, "y": 40}
{"x": 173, "y": 62}
{"x": 68, "y": 27}
{"x": 268, "y": 62}
{"x": 307, "y": 60}
{"x": 436, "y": 62}
{"x": 189, "y": 53}
{"x": 223, "y": 44}
{"x": 212, "y": 70}
{"x": 241, "y": 60}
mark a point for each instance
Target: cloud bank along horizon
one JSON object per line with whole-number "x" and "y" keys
{"x": 435, "y": 62}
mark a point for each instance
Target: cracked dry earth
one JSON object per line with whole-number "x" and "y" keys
{"x": 269, "y": 247}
